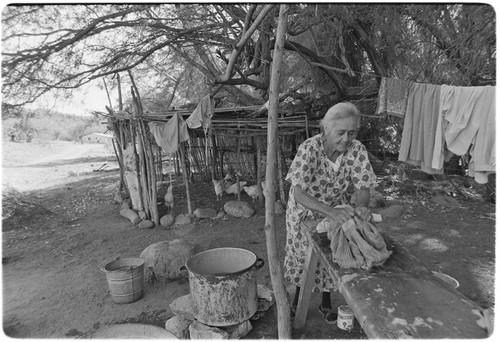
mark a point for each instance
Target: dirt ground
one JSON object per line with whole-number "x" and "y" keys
{"x": 64, "y": 226}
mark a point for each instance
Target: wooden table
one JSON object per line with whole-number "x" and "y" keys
{"x": 400, "y": 299}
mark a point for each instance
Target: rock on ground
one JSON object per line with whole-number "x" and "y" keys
{"x": 164, "y": 259}
{"x": 178, "y": 326}
{"x": 183, "y": 307}
{"x": 238, "y": 209}
{"x": 167, "y": 220}
{"x": 205, "y": 213}
{"x": 200, "y": 331}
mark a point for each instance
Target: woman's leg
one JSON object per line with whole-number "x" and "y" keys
{"x": 326, "y": 308}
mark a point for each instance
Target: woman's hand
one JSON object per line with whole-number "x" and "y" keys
{"x": 363, "y": 213}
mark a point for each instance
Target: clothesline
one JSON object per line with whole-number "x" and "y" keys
{"x": 442, "y": 120}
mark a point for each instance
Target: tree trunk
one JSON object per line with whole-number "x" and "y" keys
{"x": 283, "y": 306}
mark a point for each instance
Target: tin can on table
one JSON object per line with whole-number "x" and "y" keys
{"x": 345, "y": 320}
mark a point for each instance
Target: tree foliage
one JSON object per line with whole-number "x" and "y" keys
{"x": 180, "y": 52}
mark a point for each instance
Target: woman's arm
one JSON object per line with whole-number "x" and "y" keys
{"x": 338, "y": 214}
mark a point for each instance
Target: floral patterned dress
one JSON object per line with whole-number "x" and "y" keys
{"x": 328, "y": 182}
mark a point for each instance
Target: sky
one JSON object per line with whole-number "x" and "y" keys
{"x": 86, "y": 99}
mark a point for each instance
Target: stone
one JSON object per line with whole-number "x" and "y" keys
{"x": 183, "y": 308}
{"x": 126, "y": 204}
{"x": 182, "y": 219}
{"x": 238, "y": 209}
{"x": 165, "y": 258}
{"x": 393, "y": 211}
{"x": 142, "y": 215}
{"x": 200, "y": 331}
{"x": 238, "y": 331}
{"x": 258, "y": 315}
{"x": 131, "y": 215}
{"x": 167, "y": 220}
{"x": 146, "y": 224}
{"x": 178, "y": 326}
{"x": 265, "y": 292}
{"x": 278, "y": 208}
{"x": 120, "y": 196}
{"x": 264, "y": 305}
{"x": 205, "y": 213}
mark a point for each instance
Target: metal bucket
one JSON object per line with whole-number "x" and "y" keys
{"x": 223, "y": 285}
{"x": 125, "y": 279}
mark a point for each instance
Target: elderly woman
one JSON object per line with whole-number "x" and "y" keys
{"x": 326, "y": 171}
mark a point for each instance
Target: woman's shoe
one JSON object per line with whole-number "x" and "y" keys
{"x": 329, "y": 316}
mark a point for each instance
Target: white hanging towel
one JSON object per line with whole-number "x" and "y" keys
{"x": 202, "y": 115}
{"x": 170, "y": 134}
{"x": 467, "y": 117}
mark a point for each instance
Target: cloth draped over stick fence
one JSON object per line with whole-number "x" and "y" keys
{"x": 151, "y": 146}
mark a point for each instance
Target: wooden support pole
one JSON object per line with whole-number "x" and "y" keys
{"x": 282, "y": 304}
{"x": 259, "y": 169}
{"x": 214, "y": 154}
{"x": 120, "y": 100}
{"x": 279, "y": 158}
{"x": 182, "y": 161}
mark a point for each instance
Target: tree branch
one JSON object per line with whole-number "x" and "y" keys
{"x": 239, "y": 46}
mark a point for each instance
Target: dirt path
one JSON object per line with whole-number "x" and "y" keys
{"x": 66, "y": 227}
{"x": 30, "y": 167}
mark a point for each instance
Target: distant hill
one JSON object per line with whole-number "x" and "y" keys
{"x": 48, "y": 124}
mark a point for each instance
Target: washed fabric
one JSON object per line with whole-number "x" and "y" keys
{"x": 170, "y": 134}
{"x": 419, "y": 128}
{"x": 202, "y": 115}
{"x": 467, "y": 118}
{"x": 313, "y": 171}
{"x": 393, "y": 96}
{"x": 356, "y": 243}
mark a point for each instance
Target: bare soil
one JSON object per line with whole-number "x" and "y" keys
{"x": 60, "y": 225}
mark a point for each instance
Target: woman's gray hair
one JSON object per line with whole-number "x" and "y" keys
{"x": 341, "y": 110}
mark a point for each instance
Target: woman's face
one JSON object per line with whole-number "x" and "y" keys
{"x": 340, "y": 136}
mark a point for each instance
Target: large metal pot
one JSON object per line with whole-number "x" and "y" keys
{"x": 223, "y": 285}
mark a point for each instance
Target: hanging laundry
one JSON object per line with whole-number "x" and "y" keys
{"x": 419, "y": 128}
{"x": 467, "y": 118}
{"x": 202, "y": 115}
{"x": 170, "y": 134}
{"x": 393, "y": 96}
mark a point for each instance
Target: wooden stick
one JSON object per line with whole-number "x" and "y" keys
{"x": 259, "y": 171}
{"x": 120, "y": 100}
{"x": 214, "y": 154}
{"x": 279, "y": 157}
{"x": 283, "y": 306}
{"x": 120, "y": 163}
{"x": 185, "y": 177}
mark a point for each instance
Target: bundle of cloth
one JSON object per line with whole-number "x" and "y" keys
{"x": 356, "y": 243}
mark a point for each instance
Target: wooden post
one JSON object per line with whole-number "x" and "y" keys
{"x": 120, "y": 101}
{"x": 214, "y": 154}
{"x": 238, "y": 190}
{"x": 259, "y": 169}
{"x": 182, "y": 161}
{"x": 283, "y": 306}
{"x": 280, "y": 171}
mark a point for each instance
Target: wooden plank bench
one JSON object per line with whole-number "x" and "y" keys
{"x": 400, "y": 299}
